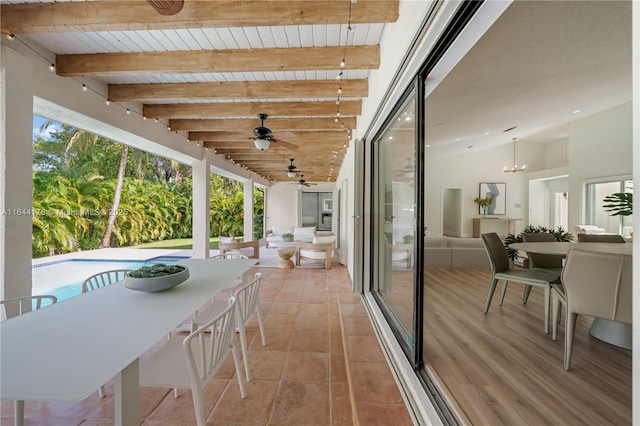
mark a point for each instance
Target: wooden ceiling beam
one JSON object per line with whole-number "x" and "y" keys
{"x": 215, "y": 61}
{"x": 137, "y": 15}
{"x": 251, "y": 109}
{"x": 276, "y": 124}
{"x": 321, "y": 137}
{"x": 357, "y": 88}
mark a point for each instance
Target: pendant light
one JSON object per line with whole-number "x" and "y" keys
{"x": 514, "y": 168}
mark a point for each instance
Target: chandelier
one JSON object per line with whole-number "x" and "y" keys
{"x": 514, "y": 168}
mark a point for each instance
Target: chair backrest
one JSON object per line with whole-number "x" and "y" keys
{"x": 497, "y": 252}
{"x": 600, "y": 238}
{"x": 599, "y": 284}
{"x": 20, "y": 305}
{"x": 229, "y": 256}
{"x": 207, "y": 348}
{"x": 248, "y": 299}
{"x": 538, "y": 260}
{"x": 102, "y": 279}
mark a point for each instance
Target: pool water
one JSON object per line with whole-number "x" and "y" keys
{"x": 64, "y": 279}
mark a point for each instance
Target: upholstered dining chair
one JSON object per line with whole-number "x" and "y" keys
{"x": 600, "y": 238}
{"x": 15, "y": 307}
{"x": 593, "y": 284}
{"x": 501, "y": 269}
{"x": 248, "y": 305}
{"x": 191, "y": 361}
{"x": 543, "y": 262}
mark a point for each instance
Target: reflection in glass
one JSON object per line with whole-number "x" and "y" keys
{"x": 395, "y": 219}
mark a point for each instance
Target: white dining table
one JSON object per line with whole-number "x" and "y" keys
{"x": 613, "y": 332}
{"x": 65, "y": 351}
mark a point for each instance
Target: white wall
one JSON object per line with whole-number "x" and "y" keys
{"x": 600, "y": 146}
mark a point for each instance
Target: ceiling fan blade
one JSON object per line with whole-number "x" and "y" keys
{"x": 283, "y": 134}
{"x": 285, "y": 144}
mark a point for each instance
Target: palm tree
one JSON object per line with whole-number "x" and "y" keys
{"x": 115, "y": 205}
{"x": 83, "y": 140}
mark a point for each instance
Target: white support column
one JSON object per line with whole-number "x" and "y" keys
{"x": 16, "y": 164}
{"x": 248, "y": 210}
{"x": 201, "y": 202}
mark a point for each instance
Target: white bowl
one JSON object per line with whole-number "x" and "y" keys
{"x": 155, "y": 284}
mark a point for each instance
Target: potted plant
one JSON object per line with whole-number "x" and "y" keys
{"x": 156, "y": 278}
{"x": 483, "y": 203}
{"x": 287, "y": 237}
{"x": 619, "y": 204}
{"x": 559, "y": 233}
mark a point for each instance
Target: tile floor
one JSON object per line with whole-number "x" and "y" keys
{"x": 322, "y": 365}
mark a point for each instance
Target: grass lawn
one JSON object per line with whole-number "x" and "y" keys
{"x": 181, "y": 243}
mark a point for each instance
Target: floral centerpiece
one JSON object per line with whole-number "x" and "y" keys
{"x": 483, "y": 203}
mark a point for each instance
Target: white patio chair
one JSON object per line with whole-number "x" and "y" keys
{"x": 21, "y": 305}
{"x": 248, "y": 301}
{"x": 192, "y": 361}
{"x": 102, "y": 279}
{"x": 16, "y": 307}
{"x": 229, "y": 256}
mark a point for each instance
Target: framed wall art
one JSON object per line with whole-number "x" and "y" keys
{"x": 497, "y": 191}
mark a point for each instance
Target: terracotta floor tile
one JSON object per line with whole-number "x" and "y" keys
{"x": 357, "y": 326}
{"x": 254, "y": 409}
{"x": 383, "y": 414}
{"x": 266, "y": 365}
{"x": 341, "y": 412}
{"x": 273, "y": 321}
{"x": 284, "y": 308}
{"x": 289, "y": 296}
{"x": 310, "y": 341}
{"x": 306, "y": 367}
{"x": 312, "y": 322}
{"x": 300, "y": 403}
{"x": 338, "y": 368}
{"x": 278, "y": 339}
{"x": 314, "y": 309}
{"x": 314, "y": 296}
{"x": 373, "y": 382}
{"x": 364, "y": 349}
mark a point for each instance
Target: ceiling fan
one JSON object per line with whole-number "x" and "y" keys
{"x": 303, "y": 182}
{"x": 264, "y": 137}
{"x": 291, "y": 169}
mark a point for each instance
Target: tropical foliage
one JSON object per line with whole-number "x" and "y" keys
{"x": 619, "y": 204}
{"x": 559, "y": 233}
{"x": 75, "y": 181}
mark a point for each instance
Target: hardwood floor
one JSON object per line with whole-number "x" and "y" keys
{"x": 501, "y": 369}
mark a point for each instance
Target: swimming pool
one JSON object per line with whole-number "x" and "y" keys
{"x": 64, "y": 278}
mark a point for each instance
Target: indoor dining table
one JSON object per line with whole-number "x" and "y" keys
{"x": 613, "y": 332}
{"x": 65, "y": 351}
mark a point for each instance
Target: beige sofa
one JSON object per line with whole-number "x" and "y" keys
{"x": 445, "y": 252}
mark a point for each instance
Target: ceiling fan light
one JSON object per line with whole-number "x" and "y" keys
{"x": 261, "y": 144}
{"x": 291, "y": 174}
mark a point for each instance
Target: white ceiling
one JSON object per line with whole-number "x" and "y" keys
{"x": 539, "y": 62}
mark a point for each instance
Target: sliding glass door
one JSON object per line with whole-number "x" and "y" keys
{"x": 395, "y": 221}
